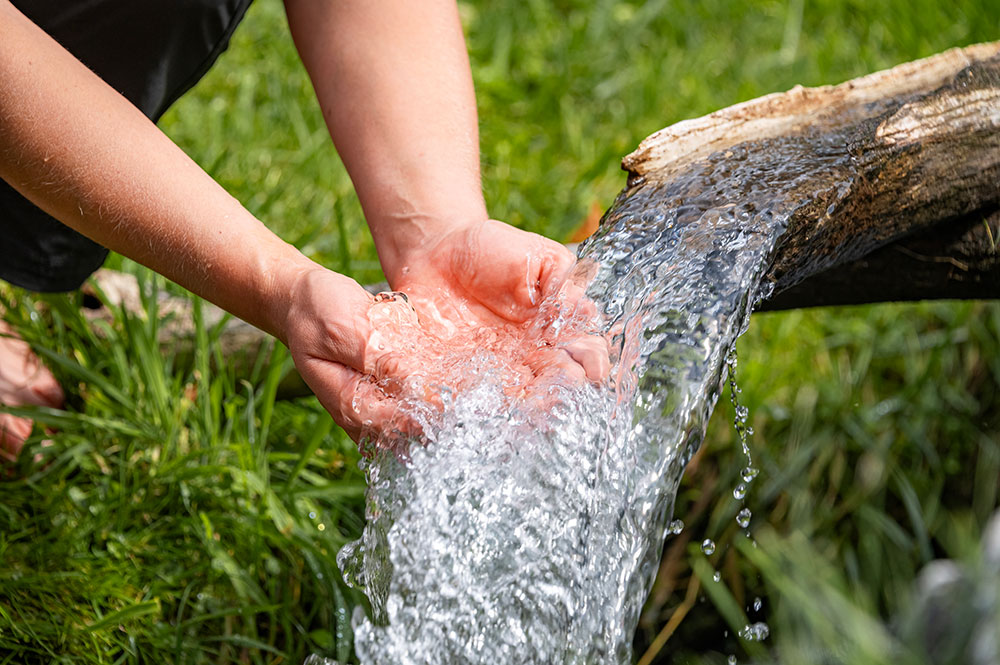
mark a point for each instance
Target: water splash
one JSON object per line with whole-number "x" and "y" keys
{"x": 519, "y": 535}
{"x": 755, "y": 632}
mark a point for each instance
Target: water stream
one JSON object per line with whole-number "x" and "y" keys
{"x": 524, "y": 536}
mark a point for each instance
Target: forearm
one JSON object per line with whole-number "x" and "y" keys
{"x": 394, "y": 84}
{"x": 85, "y": 155}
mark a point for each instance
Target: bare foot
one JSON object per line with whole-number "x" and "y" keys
{"x": 24, "y": 381}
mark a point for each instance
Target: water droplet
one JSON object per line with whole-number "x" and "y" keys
{"x": 743, "y": 518}
{"x": 676, "y": 527}
{"x": 749, "y": 473}
{"x": 755, "y": 632}
{"x": 321, "y": 526}
{"x": 740, "y": 492}
{"x": 757, "y": 604}
{"x": 717, "y": 576}
{"x": 708, "y": 546}
{"x": 312, "y": 515}
{"x": 731, "y": 660}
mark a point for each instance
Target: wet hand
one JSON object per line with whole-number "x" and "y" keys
{"x": 489, "y": 280}
{"x": 487, "y": 286}
{"x": 332, "y": 339}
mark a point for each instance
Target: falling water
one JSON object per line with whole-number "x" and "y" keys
{"x": 526, "y": 535}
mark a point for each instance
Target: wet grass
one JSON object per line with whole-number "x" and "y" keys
{"x": 177, "y": 516}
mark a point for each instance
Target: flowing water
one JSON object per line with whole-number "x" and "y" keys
{"x": 526, "y": 535}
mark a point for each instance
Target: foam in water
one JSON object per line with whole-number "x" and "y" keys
{"x": 529, "y": 530}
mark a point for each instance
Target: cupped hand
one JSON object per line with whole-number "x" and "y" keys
{"x": 488, "y": 271}
{"x": 330, "y": 335}
{"x": 487, "y": 286}
{"x": 488, "y": 280}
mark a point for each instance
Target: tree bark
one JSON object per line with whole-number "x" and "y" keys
{"x": 919, "y": 216}
{"x": 958, "y": 259}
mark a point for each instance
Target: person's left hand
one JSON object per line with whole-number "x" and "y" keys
{"x": 490, "y": 283}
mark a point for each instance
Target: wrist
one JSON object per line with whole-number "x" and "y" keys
{"x": 318, "y": 309}
{"x": 282, "y": 275}
{"x": 405, "y": 241}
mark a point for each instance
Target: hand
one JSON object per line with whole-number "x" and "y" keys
{"x": 362, "y": 356}
{"x": 489, "y": 282}
{"x": 484, "y": 286}
{"x": 327, "y": 330}
{"x": 488, "y": 270}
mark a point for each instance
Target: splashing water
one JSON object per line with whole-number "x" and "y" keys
{"x": 527, "y": 535}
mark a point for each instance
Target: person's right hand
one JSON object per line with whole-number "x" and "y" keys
{"x": 361, "y": 355}
{"x": 327, "y": 330}
{"x": 486, "y": 279}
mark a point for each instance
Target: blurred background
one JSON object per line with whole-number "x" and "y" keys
{"x": 184, "y": 515}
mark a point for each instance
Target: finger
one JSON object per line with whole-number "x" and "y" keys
{"x": 383, "y": 421}
{"x": 570, "y": 307}
{"x": 356, "y": 403}
{"x": 543, "y": 391}
{"x": 557, "y": 262}
{"x": 335, "y": 386}
{"x": 13, "y": 432}
{"x": 592, "y": 353}
{"x": 395, "y": 337}
{"x": 552, "y": 365}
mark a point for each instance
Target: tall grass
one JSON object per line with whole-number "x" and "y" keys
{"x": 876, "y": 434}
{"x": 179, "y": 515}
{"x": 183, "y": 516}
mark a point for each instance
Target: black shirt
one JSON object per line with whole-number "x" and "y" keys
{"x": 151, "y": 51}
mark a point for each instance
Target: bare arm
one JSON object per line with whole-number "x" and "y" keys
{"x": 395, "y": 85}
{"x": 393, "y": 80}
{"x": 84, "y": 154}
{"x": 397, "y": 95}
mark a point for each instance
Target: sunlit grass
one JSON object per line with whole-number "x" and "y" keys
{"x": 176, "y": 517}
{"x": 178, "y": 512}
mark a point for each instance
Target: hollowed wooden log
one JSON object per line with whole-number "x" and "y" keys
{"x": 920, "y": 216}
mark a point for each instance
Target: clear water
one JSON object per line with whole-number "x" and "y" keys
{"x": 521, "y": 534}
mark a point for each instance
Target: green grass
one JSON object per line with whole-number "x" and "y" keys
{"x": 180, "y": 515}
{"x": 176, "y": 517}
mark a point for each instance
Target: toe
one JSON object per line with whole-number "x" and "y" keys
{"x": 48, "y": 390}
{"x": 13, "y": 432}
{"x": 24, "y": 380}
